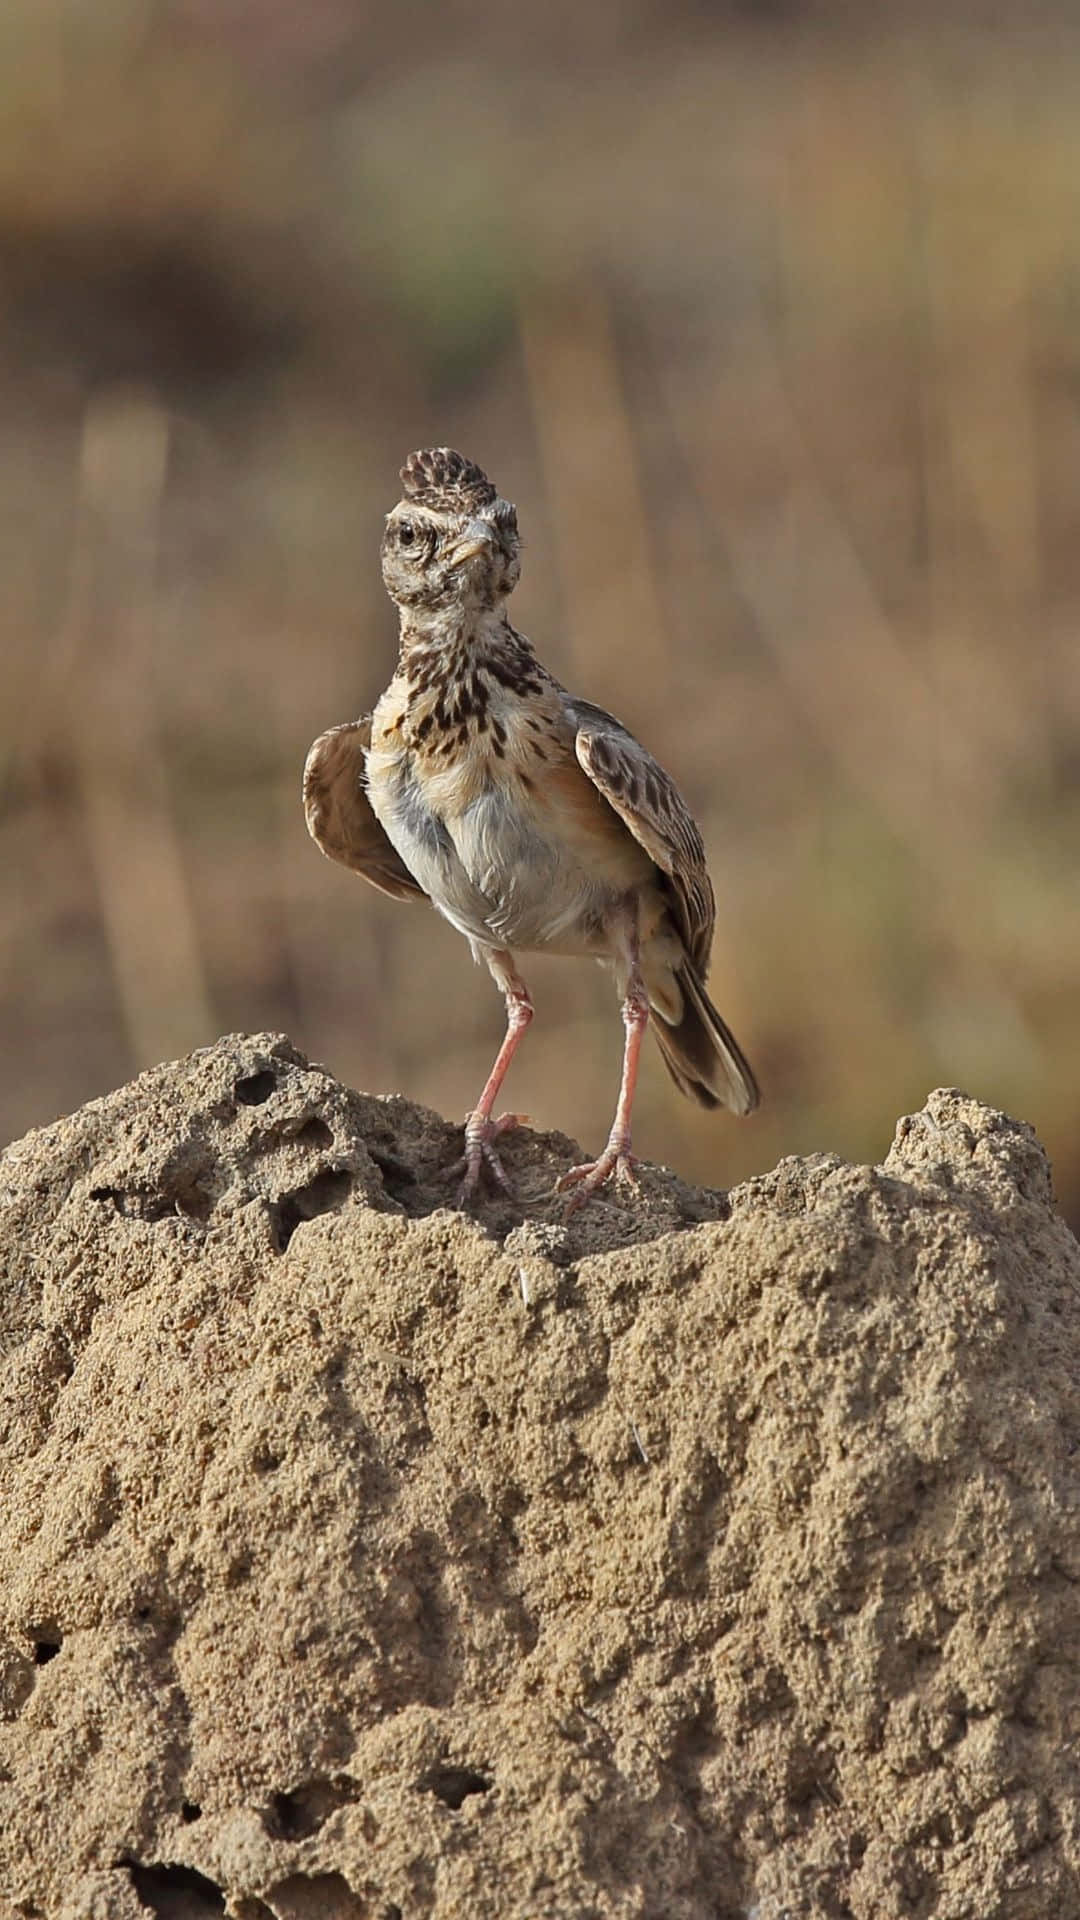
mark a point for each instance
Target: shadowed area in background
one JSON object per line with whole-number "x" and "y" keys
{"x": 769, "y": 328}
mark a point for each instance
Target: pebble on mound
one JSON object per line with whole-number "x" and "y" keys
{"x": 711, "y": 1556}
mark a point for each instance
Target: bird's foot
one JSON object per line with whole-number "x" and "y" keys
{"x": 480, "y": 1155}
{"x": 616, "y": 1159}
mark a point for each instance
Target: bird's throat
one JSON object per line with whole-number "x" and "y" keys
{"x": 454, "y": 645}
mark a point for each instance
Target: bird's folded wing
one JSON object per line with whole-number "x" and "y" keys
{"x": 339, "y": 815}
{"x": 650, "y": 804}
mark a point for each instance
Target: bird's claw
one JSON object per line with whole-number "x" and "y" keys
{"x": 480, "y": 1155}
{"x": 591, "y": 1175}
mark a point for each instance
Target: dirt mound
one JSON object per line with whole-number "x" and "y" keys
{"x": 712, "y": 1556}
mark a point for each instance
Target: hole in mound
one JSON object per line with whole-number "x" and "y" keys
{"x": 300, "y": 1813}
{"x": 314, "y": 1133}
{"x": 188, "y": 1191}
{"x": 190, "y": 1194}
{"x": 453, "y": 1785}
{"x": 190, "y": 1811}
{"x": 47, "y": 1644}
{"x": 315, "y": 1896}
{"x": 175, "y": 1893}
{"x": 397, "y": 1176}
{"x": 255, "y": 1088}
{"x": 111, "y": 1194}
{"x": 328, "y": 1191}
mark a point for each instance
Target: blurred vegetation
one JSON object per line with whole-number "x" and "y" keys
{"x": 770, "y": 327}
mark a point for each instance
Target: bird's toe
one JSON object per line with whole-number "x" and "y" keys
{"x": 480, "y": 1157}
{"x": 583, "y": 1181}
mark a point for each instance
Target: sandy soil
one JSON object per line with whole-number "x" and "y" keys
{"x": 712, "y": 1556}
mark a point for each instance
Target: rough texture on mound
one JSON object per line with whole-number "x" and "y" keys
{"x": 713, "y": 1556}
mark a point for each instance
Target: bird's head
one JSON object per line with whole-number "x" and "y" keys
{"x": 450, "y": 542}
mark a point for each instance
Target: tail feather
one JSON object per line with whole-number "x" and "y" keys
{"x": 701, "y": 1053}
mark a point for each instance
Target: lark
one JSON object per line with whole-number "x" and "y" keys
{"x": 532, "y": 820}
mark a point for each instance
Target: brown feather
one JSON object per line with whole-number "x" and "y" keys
{"x": 647, "y": 800}
{"x": 702, "y": 1054}
{"x": 339, "y": 816}
{"x": 442, "y": 478}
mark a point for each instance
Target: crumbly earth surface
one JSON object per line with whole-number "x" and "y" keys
{"x": 712, "y": 1555}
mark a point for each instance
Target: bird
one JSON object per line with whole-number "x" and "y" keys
{"x": 532, "y": 820}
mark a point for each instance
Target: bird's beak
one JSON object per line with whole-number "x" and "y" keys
{"x": 478, "y": 537}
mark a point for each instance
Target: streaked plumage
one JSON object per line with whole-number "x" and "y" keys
{"x": 532, "y": 820}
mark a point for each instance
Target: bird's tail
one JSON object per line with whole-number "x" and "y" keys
{"x": 702, "y": 1055}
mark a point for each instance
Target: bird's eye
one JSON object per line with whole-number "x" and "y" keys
{"x": 406, "y": 532}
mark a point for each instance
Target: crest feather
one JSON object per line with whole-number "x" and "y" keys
{"x": 440, "y": 477}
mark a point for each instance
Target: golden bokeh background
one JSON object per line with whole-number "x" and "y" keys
{"x": 768, "y": 318}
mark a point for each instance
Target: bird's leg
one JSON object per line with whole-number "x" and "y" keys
{"x": 480, "y": 1129}
{"x": 617, "y": 1158}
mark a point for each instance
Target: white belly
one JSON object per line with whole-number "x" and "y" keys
{"x": 491, "y": 869}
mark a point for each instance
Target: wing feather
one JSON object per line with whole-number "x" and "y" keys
{"x": 647, "y": 800}
{"x": 339, "y": 814}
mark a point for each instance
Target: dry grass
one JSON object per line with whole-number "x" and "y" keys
{"x": 774, "y": 341}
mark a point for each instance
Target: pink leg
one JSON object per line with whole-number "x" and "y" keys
{"x": 480, "y": 1128}
{"x": 617, "y": 1158}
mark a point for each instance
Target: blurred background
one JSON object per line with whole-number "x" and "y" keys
{"x": 769, "y": 321}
